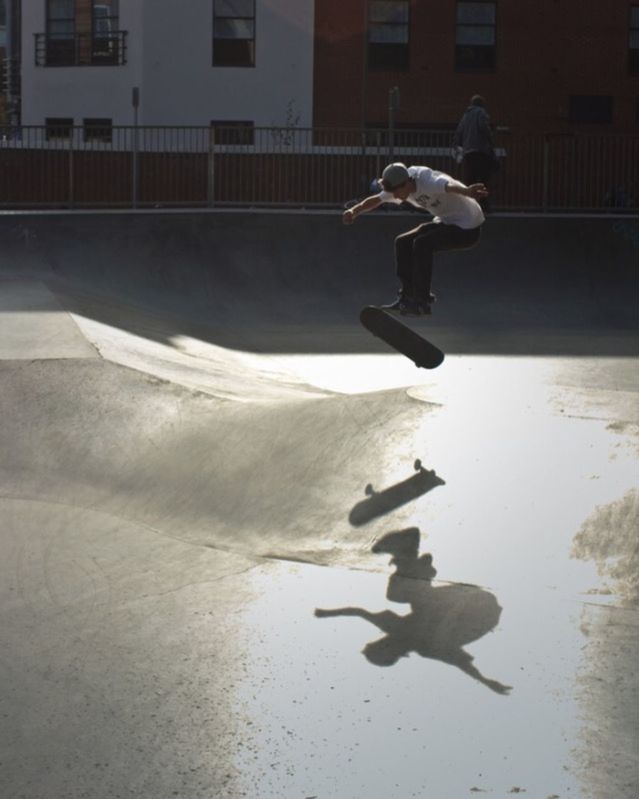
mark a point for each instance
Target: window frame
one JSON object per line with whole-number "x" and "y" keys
{"x": 60, "y": 46}
{"x": 401, "y": 61}
{"x": 49, "y": 19}
{"x": 252, "y": 46}
{"x": 466, "y": 67}
{"x": 633, "y": 52}
{"x": 234, "y": 132}
{"x": 105, "y": 44}
{"x": 113, "y": 18}
{"x": 95, "y": 126}
{"x": 3, "y": 25}
{"x": 577, "y": 109}
{"x": 63, "y": 124}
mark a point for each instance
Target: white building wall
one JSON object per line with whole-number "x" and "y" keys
{"x": 79, "y": 92}
{"x": 169, "y": 56}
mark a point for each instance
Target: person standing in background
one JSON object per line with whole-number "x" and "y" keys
{"x": 474, "y": 141}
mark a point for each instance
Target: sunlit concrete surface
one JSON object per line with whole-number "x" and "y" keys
{"x": 34, "y": 325}
{"x": 245, "y": 551}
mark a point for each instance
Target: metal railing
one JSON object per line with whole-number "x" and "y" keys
{"x": 102, "y": 166}
{"x": 81, "y": 49}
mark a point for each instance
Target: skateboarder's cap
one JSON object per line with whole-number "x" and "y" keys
{"x": 395, "y": 175}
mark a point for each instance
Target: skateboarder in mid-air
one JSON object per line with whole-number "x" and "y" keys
{"x": 456, "y": 225}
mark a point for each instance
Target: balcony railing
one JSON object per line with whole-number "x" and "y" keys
{"x": 81, "y": 49}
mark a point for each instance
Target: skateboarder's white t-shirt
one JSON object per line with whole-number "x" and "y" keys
{"x": 430, "y": 193}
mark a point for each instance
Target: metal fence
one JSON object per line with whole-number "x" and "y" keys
{"x": 98, "y": 165}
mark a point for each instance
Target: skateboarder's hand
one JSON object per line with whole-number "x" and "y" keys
{"x": 348, "y": 217}
{"x": 477, "y": 190}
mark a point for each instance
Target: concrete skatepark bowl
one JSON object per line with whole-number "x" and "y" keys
{"x": 248, "y": 551}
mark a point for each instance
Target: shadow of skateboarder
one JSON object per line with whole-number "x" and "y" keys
{"x": 443, "y": 619}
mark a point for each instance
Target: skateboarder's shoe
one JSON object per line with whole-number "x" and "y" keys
{"x": 426, "y": 299}
{"x": 415, "y": 308}
{"x": 424, "y": 302}
{"x": 407, "y": 307}
{"x": 397, "y": 305}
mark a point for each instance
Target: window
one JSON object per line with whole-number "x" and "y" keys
{"x": 475, "y": 36}
{"x": 233, "y": 33}
{"x": 60, "y": 34}
{"x": 588, "y": 109}
{"x": 81, "y": 33}
{"x": 104, "y": 30}
{"x": 633, "y": 41}
{"x": 388, "y": 26}
{"x": 228, "y": 132}
{"x": 60, "y": 19}
{"x": 3, "y": 24}
{"x": 58, "y": 127}
{"x": 98, "y": 130}
{"x": 105, "y": 17}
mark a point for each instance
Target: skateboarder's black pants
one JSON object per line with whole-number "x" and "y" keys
{"x": 414, "y": 252}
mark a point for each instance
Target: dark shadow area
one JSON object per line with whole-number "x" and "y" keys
{"x": 383, "y": 502}
{"x": 296, "y": 283}
{"x": 443, "y": 619}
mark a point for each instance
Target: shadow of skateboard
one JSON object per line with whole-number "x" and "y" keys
{"x": 380, "y": 503}
{"x": 400, "y": 337}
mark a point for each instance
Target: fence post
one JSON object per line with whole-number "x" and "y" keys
{"x": 211, "y": 168}
{"x": 71, "y": 138}
{"x": 393, "y": 105}
{"x": 9, "y": 59}
{"x": 546, "y": 176}
{"x": 365, "y": 179}
{"x": 135, "y": 102}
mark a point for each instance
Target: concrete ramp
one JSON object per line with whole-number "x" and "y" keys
{"x": 247, "y": 551}
{"x": 295, "y": 283}
{"x": 35, "y": 326}
{"x": 262, "y": 479}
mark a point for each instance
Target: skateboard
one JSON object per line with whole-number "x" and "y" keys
{"x": 400, "y": 337}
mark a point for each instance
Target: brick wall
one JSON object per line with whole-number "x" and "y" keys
{"x": 546, "y": 51}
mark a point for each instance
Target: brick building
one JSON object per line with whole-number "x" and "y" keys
{"x": 543, "y": 65}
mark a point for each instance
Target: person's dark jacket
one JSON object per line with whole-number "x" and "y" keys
{"x": 473, "y": 133}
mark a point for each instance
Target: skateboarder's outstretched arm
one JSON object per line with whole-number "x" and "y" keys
{"x": 475, "y": 190}
{"x": 369, "y": 204}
